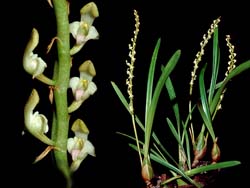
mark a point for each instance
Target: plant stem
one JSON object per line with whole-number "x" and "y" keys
{"x": 61, "y": 119}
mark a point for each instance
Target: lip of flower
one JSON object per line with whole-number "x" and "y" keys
{"x": 83, "y": 90}
{"x": 35, "y": 123}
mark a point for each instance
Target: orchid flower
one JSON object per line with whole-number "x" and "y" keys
{"x": 32, "y": 63}
{"x": 83, "y": 30}
{"x": 82, "y": 87}
{"x": 79, "y": 146}
{"x": 36, "y": 123}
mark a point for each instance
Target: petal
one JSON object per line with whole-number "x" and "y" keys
{"x": 39, "y": 123}
{"x": 91, "y": 88}
{"x": 88, "y": 148}
{"x": 93, "y": 34}
{"x": 88, "y": 19}
{"x": 73, "y": 83}
{"x": 37, "y": 66}
{"x": 73, "y": 28}
{"x": 86, "y": 76}
{"x": 70, "y": 144}
{"x": 81, "y": 135}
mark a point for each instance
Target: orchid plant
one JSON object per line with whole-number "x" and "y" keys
{"x": 192, "y": 131}
{"x": 82, "y": 87}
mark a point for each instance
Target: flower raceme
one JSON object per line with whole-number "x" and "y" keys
{"x": 61, "y": 82}
{"x": 82, "y": 30}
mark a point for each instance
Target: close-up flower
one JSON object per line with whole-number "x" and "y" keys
{"x": 32, "y": 63}
{"x": 36, "y": 123}
{"x": 83, "y": 30}
{"x": 83, "y": 86}
{"x": 79, "y": 146}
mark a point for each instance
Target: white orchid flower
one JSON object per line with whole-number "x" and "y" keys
{"x": 32, "y": 63}
{"x": 79, "y": 146}
{"x": 36, "y": 123}
{"x": 83, "y": 86}
{"x": 82, "y": 30}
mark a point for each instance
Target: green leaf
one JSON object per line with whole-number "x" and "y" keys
{"x": 173, "y": 130}
{"x": 120, "y": 95}
{"x": 172, "y": 97}
{"x": 152, "y": 108}
{"x": 205, "y": 110}
{"x": 215, "y": 166}
{"x": 215, "y": 65}
{"x": 151, "y": 73}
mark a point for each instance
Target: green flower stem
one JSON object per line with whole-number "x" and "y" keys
{"x": 60, "y": 132}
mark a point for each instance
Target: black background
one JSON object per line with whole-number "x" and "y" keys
{"x": 179, "y": 25}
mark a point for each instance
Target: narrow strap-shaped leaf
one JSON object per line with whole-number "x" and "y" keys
{"x": 206, "y": 121}
{"x": 173, "y": 130}
{"x": 160, "y": 83}
{"x": 151, "y": 72}
{"x": 172, "y": 97}
{"x": 214, "y": 166}
{"x": 215, "y": 65}
{"x": 120, "y": 95}
{"x": 205, "y": 111}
